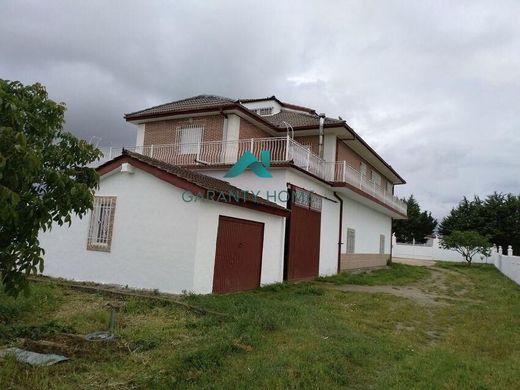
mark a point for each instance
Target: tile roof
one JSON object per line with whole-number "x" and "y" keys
{"x": 206, "y": 182}
{"x": 296, "y": 119}
{"x": 299, "y": 119}
{"x": 195, "y": 102}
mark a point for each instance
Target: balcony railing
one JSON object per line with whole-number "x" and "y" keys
{"x": 282, "y": 149}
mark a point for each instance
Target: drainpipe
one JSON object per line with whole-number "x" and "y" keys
{"x": 340, "y": 229}
{"x": 320, "y": 141}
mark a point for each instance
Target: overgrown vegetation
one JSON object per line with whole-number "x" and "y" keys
{"x": 285, "y": 336}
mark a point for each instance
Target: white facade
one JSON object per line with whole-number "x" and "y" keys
{"x": 159, "y": 240}
{"x": 368, "y": 224}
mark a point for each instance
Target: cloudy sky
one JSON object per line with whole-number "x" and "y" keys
{"x": 434, "y": 86}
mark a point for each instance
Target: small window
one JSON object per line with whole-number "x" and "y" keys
{"x": 263, "y": 111}
{"x": 381, "y": 244}
{"x": 101, "y": 223}
{"x": 351, "y": 240}
{"x": 389, "y": 188}
{"x": 376, "y": 178}
{"x": 189, "y": 139}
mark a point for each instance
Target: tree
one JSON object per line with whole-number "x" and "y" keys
{"x": 497, "y": 217}
{"x": 418, "y": 225}
{"x": 468, "y": 244}
{"x": 44, "y": 178}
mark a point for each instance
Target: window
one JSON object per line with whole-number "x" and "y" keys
{"x": 389, "y": 188}
{"x": 376, "y": 178}
{"x": 381, "y": 244}
{"x": 351, "y": 241}
{"x": 189, "y": 138}
{"x": 101, "y": 223}
{"x": 263, "y": 111}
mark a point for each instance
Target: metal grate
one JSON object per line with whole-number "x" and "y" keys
{"x": 101, "y": 223}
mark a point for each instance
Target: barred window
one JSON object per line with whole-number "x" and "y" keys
{"x": 351, "y": 240}
{"x": 101, "y": 223}
{"x": 381, "y": 244}
{"x": 189, "y": 138}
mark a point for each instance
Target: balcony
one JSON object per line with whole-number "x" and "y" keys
{"x": 282, "y": 150}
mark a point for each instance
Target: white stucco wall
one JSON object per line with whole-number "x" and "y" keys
{"x": 368, "y": 223}
{"x": 153, "y": 243}
{"x": 274, "y": 189}
{"x": 273, "y": 249}
{"x": 159, "y": 241}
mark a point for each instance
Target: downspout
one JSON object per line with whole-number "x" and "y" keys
{"x": 320, "y": 140}
{"x": 340, "y": 229}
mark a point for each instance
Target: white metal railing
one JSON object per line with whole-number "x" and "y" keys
{"x": 282, "y": 149}
{"x": 344, "y": 173}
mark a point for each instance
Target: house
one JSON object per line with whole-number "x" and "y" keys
{"x": 327, "y": 205}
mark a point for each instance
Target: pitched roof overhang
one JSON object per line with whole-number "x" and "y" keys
{"x": 199, "y": 185}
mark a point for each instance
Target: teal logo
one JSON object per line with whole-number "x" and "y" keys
{"x": 248, "y": 160}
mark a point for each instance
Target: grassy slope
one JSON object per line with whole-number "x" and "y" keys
{"x": 284, "y": 336}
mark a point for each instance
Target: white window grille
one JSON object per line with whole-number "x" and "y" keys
{"x": 376, "y": 178}
{"x": 351, "y": 241}
{"x": 189, "y": 138}
{"x": 381, "y": 244}
{"x": 101, "y": 223}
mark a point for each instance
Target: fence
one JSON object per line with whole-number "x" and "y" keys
{"x": 508, "y": 264}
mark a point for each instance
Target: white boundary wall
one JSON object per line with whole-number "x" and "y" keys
{"x": 432, "y": 252}
{"x": 509, "y": 265}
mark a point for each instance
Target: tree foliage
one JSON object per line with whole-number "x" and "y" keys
{"x": 418, "y": 225}
{"x": 497, "y": 217}
{"x": 44, "y": 178}
{"x": 467, "y": 243}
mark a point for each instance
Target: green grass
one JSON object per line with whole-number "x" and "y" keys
{"x": 282, "y": 336}
{"x": 396, "y": 275}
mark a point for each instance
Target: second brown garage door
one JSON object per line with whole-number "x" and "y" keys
{"x": 238, "y": 257}
{"x": 303, "y": 246}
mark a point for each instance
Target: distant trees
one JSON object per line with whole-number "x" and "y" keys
{"x": 418, "y": 225}
{"x": 467, "y": 243}
{"x": 497, "y": 217}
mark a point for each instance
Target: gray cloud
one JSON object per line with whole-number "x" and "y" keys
{"x": 434, "y": 86}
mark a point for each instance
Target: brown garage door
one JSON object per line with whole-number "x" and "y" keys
{"x": 238, "y": 258}
{"x": 303, "y": 248}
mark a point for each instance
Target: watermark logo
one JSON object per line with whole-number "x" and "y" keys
{"x": 248, "y": 160}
